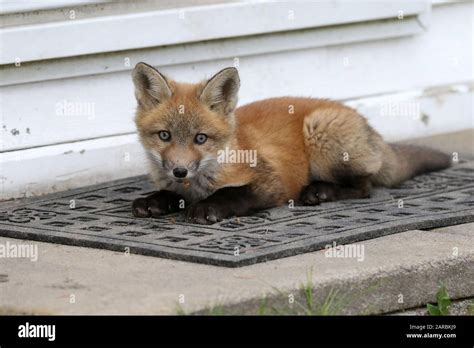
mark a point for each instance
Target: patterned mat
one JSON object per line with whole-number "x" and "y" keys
{"x": 99, "y": 216}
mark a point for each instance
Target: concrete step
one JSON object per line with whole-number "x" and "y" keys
{"x": 395, "y": 272}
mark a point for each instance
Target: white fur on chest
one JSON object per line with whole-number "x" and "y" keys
{"x": 194, "y": 191}
{"x": 197, "y": 188}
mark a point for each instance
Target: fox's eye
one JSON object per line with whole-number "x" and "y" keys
{"x": 200, "y": 138}
{"x": 164, "y": 135}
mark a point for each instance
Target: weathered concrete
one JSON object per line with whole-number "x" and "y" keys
{"x": 460, "y": 307}
{"x": 412, "y": 264}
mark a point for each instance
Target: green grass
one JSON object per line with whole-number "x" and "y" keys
{"x": 443, "y": 303}
{"x": 180, "y": 310}
{"x": 470, "y": 308}
{"x": 332, "y": 304}
{"x": 263, "y": 307}
{"x": 304, "y": 303}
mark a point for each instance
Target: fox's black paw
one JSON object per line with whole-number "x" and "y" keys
{"x": 318, "y": 192}
{"x": 157, "y": 204}
{"x": 205, "y": 213}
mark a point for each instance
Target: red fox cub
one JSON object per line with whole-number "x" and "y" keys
{"x": 217, "y": 161}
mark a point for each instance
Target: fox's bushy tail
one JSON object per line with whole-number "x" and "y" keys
{"x": 402, "y": 162}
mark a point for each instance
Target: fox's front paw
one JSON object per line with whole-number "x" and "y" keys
{"x": 157, "y": 204}
{"x": 318, "y": 192}
{"x": 206, "y": 213}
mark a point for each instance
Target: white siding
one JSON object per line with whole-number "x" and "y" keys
{"x": 422, "y": 62}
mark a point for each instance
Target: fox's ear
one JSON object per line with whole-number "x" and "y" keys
{"x": 151, "y": 87}
{"x": 221, "y": 91}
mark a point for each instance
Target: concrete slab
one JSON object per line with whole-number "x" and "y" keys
{"x": 464, "y": 229}
{"x": 397, "y": 271}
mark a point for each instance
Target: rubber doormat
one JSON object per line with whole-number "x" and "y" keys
{"x": 100, "y": 217}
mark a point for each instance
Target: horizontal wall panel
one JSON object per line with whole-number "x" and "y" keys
{"x": 60, "y": 167}
{"x": 22, "y": 6}
{"x": 176, "y": 26}
{"x": 209, "y": 50}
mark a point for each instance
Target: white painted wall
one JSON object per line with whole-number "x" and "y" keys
{"x": 368, "y": 57}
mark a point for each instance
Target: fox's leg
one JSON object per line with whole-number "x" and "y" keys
{"x": 157, "y": 204}
{"x": 344, "y": 153}
{"x": 226, "y": 202}
{"x": 320, "y": 191}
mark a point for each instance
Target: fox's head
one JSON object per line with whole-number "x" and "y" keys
{"x": 182, "y": 126}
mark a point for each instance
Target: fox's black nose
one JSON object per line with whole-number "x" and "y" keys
{"x": 180, "y": 172}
